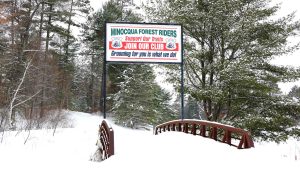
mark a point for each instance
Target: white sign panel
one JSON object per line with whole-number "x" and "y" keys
{"x": 156, "y": 43}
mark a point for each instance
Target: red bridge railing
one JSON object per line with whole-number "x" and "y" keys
{"x": 106, "y": 134}
{"x": 216, "y": 131}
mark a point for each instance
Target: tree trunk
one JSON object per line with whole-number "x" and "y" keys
{"x": 48, "y": 29}
{"x": 13, "y": 26}
{"x": 11, "y": 113}
{"x": 211, "y": 74}
{"x": 67, "y": 78}
{"x": 92, "y": 85}
{"x": 42, "y": 64}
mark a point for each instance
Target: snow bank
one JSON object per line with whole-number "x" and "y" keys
{"x": 135, "y": 149}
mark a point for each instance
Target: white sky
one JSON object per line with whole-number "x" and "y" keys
{"x": 293, "y": 60}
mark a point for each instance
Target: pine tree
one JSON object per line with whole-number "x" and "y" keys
{"x": 22, "y": 50}
{"x": 228, "y": 48}
{"x": 5, "y": 12}
{"x": 191, "y": 109}
{"x": 37, "y": 32}
{"x": 295, "y": 92}
{"x": 162, "y": 107}
{"x": 118, "y": 84}
{"x": 93, "y": 38}
{"x": 140, "y": 101}
{"x": 62, "y": 44}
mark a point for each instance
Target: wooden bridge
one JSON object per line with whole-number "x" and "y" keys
{"x": 106, "y": 134}
{"x": 213, "y": 130}
{"x": 223, "y": 133}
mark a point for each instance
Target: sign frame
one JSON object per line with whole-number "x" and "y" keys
{"x": 139, "y": 37}
{"x": 108, "y": 44}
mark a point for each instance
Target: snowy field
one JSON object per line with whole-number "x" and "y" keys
{"x": 135, "y": 149}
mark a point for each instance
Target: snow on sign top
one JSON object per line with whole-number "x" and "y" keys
{"x": 154, "y": 43}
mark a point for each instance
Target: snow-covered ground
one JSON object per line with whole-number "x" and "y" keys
{"x": 135, "y": 149}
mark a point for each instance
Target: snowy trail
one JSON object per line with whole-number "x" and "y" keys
{"x": 179, "y": 150}
{"x": 134, "y": 149}
{"x": 70, "y": 147}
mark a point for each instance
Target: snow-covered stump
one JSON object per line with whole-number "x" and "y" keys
{"x": 216, "y": 131}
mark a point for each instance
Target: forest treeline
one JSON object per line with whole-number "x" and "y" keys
{"x": 51, "y": 58}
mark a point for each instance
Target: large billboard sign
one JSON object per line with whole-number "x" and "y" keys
{"x": 153, "y": 43}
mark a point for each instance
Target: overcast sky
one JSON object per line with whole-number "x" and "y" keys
{"x": 287, "y": 6}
